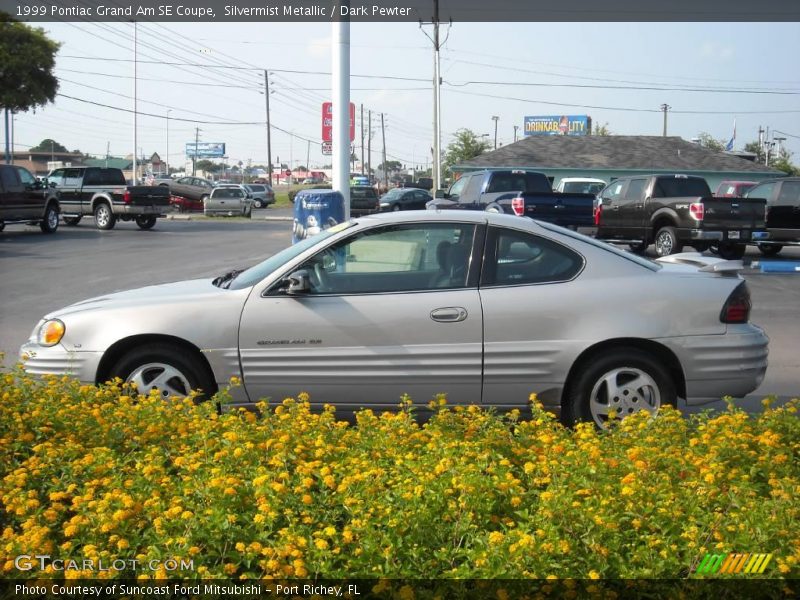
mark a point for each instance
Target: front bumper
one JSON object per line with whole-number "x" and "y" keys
{"x": 732, "y": 364}
{"x": 57, "y": 360}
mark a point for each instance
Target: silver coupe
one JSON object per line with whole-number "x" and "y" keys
{"x": 485, "y": 308}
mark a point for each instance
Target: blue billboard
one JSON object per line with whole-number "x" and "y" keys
{"x": 558, "y": 125}
{"x": 205, "y": 149}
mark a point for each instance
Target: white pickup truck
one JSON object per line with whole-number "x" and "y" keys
{"x": 580, "y": 185}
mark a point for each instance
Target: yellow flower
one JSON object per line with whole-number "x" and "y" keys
{"x": 496, "y": 537}
{"x": 594, "y": 574}
{"x": 321, "y": 544}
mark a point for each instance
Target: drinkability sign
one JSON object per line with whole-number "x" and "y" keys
{"x": 558, "y": 125}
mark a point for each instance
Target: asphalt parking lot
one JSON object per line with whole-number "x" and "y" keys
{"x": 42, "y": 273}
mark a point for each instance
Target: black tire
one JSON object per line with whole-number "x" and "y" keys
{"x": 590, "y": 380}
{"x": 730, "y": 251}
{"x": 770, "y": 249}
{"x": 49, "y": 222}
{"x": 259, "y": 204}
{"x": 396, "y": 208}
{"x": 639, "y": 248}
{"x": 2, "y": 225}
{"x": 666, "y": 242}
{"x": 72, "y": 221}
{"x": 147, "y": 362}
{"x": 145, "y": 221}
{"x": 701, "y": 247}
{"x": 104, "y": 218}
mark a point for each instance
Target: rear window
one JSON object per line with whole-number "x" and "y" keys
{"x": 677, "y": 187}
{"x": 582, "y": 187}
{"x": 363, "y": 192}
{"x": 227, "y": 193}
{"x": 256, "y": 188}
{"x": 103, "y": 177}
{"x": 525, "y": 182}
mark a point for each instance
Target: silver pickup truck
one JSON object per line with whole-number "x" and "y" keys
{"x": 104, "y": 193}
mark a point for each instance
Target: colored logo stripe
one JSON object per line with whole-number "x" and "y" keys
{"x": 750, "y": 563}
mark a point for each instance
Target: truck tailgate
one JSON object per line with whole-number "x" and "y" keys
{"x": 734, "y": 213}
{"x": 149, "y": 195}
{"x": 575, "y": 210}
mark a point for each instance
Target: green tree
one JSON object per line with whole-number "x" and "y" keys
{"x": 49, "y": 145}
{"x": 207, "y": 166}
{"x": 755, "y": 148}
{"x": 783, "y": 163}
{"x": 27, "y": 58}
{"x": 707, "y": 141}
{"x": 602, "y": 130}
{"x": 465, "y": 146}
{"x": 391, "y": 165}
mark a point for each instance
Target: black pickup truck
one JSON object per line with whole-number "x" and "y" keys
{"x": 105, "y": 194}
{"x": 516, "y": 192}
{"x": 783, "y": 213}
{"x": 672, "y": 211}
{"x": 25, "y": 199}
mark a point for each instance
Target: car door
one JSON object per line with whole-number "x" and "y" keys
{"x": 391, "y": 310}
{"x": 419, "y": 199}
{"x": 525, "y": 292}
{"x": 11, "y": 201}
{"x": 31, "y": 194}
{"x": 632, "y": 216}
{"x": 611, "y": 199}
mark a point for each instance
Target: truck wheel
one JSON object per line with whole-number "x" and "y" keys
{"x": 72, "y": 221}
{"x": 666, "y": 242}
{"x": 49, "y": 223}
{"x": 103, "y": 217}
{"x": 145, "y": 221}
{"x": 165, "y": 367}
{"x": 770, "y": 249}
{"x": 2, "y": 226}
{"x": 730, "y": 251}
{"x": 625, "y": 380}
{"x": 639, "y": 248}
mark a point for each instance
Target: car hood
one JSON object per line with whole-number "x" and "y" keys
{"x": 193, "y": 292}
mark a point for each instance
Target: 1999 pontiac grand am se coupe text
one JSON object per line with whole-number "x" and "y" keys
{"x": 486, "y": 308}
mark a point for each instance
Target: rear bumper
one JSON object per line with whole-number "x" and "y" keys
{"x": 734, "y": 235}
{"x": 133, "y": 209}
{"x": 731, "y": 364}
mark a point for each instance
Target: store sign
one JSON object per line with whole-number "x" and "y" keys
{"x": 327, "y": 122}
{"x": 558, "y": 125}
{"x": 205, "y": 150}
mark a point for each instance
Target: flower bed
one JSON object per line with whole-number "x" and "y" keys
{"x": 100, "y": 473}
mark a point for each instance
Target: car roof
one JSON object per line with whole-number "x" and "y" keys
{"x": 582, "y": 180}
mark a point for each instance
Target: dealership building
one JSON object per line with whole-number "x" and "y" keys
{"x": 612, "y": 156}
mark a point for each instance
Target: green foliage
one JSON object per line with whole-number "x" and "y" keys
{"x": 101, "y": 472}
{"x": 709, "y": 142}
{"x": 602, "y": 130}
{"x": 27, "y": 58}
{"x": 391, "y": 165}
{"x": 207, "y": 166}
{"x": 49, "y": 145}
{"x": 465, "y": 146}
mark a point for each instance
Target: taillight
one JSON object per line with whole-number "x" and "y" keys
{"x": 518, "y": 206}
{"x": 737, "y": 307}
{"x": 697, "y": 210}
{"x": 598, "y": 213}
{"x": 126, "y": 197}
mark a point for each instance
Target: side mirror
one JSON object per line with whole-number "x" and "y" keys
{"x": 249, "y": 196}
{"x": 299, "y": 282}
{"x": 440, "y": 194}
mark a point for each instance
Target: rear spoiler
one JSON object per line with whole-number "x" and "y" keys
{"x": 704, "y": 264}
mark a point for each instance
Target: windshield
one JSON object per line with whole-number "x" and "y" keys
{"x": 256, "y": 273}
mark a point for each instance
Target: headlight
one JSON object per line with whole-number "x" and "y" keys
{"x": 384, "y": 204}
{"x": 51, "y": 332}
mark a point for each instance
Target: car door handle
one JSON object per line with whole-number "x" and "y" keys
{"x": 450, "y": 314}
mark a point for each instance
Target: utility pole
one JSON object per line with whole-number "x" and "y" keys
{"x": 437, "y": 103}
{"x": 166, "y": 158}
{"x": 135, "y": 109}
{"x": 108, "y": 149}
{"x": 760, "y": 138}
{"x": 515, "y": 132}
{"x": 495, "y": 119}
{"x": 665, "y": 108}
{"x": 779, "y": 140}
{"x": 308, "y": 157}
{"x": 369, "y": 146}
{"x": 269, "y": 129}
{"x": 385, "y": 170}
{"x": 8, "y": 154}
{"x": 194, "y": 154}
{"x": 340, "y": 87}
{"x": 362, "y": 139}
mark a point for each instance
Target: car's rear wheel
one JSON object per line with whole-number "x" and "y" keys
{"x": 49, "y": 223}
{"x": 770, "y": 249}
{"x": 166, "y": 368}
{"x": 616, "y": 384}
{"x": 103, "y": 217}
{"x": 730, "y": 251}
{"x": 145, "y": 221}
{"x": 667, "y": 242}
{"x": 72, "y": 221}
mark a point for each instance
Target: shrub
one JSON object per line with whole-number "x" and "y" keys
{"x": 102, "y": 473}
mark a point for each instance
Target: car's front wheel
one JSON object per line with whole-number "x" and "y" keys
{"x": 49, "y": 223}
{"x": 617, "y": 384}
{"x": 145, "y": 221}
{"x": 166, "y": 368}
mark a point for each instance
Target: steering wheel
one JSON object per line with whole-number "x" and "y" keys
{"x": 320, "y": 280}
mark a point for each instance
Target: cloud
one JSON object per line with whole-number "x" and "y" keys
{"x": 716, "y": 50}
{"x": 319, "y": 47}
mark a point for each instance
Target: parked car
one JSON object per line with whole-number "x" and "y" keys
{"x": 25, "y": 199}
{"x": 462, "y": 287}
{"x": 517, "y": 192}
{"x": 580, "y": 185}
{"x": 733, "y": 189}
{"x": 310, "y": 181}
{"x": 363, "y": 200}
{"x": 193, "y": 188}
{"x": 104, "y": 193}
{"x": 404, "y": 199}
{"x": 359, "y": 180}
{"x": 262, "y": 194}
{"x": 229, "y": 200}
{"x": 673, "y": 211}
{"x": 783, "y": 213}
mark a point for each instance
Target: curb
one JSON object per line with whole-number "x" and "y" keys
{"x": 200, "y": 217}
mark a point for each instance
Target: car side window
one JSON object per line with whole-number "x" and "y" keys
{"x": 473, "y": 188}
{"x": 10, "y": 178}
{"x": 517, "y": 257}
{"x": 458, "y": 187}
{"x": 635, "y": 189}
{"x": 25, "y": 177}
{"x": 72, "y": 177}
{"x": 762, "y": 191}
{"x": 790, "y": 192}
{"x": 396, "y": 258}
{"x": 614, "y": 191}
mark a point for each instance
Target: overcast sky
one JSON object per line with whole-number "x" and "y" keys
{"x": 397, "y": 65}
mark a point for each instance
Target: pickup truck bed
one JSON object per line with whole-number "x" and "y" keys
{"x": 783, "y": 213}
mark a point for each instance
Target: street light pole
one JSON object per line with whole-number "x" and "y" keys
{"x": 495, "y": 119}
{"x": 515, "y": 132}
{"x": 166, "y": 158}
{"x": 269, "y": 129}
{"x": 665, "y": 108}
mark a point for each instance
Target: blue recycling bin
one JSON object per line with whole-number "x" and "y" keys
{"x": 315, "y": 211}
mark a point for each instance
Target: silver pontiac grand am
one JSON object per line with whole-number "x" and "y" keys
{"x": 485, "y": 308}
